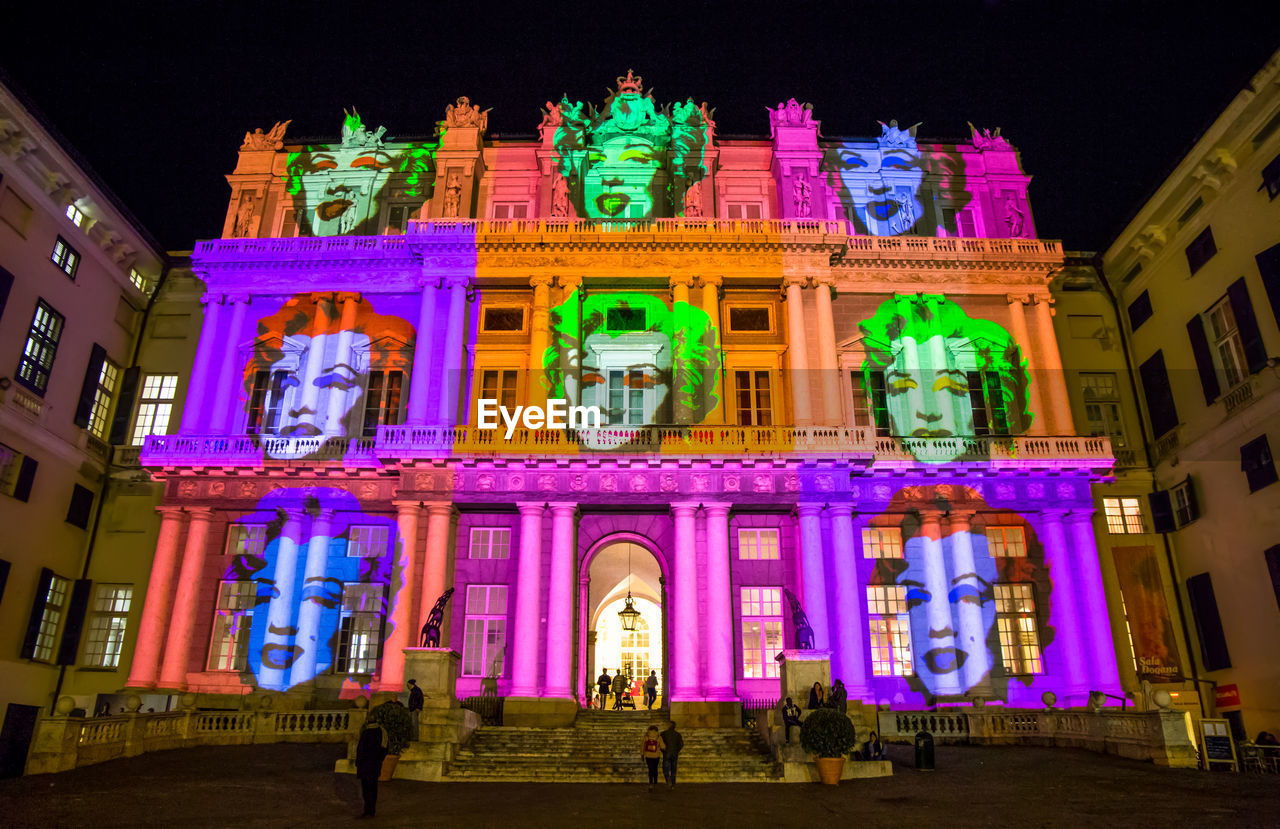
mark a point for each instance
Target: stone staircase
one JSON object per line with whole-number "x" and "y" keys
{"x": 604, "y": 747}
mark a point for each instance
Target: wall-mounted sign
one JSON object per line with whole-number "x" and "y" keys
{"x": 1227, "y": 696}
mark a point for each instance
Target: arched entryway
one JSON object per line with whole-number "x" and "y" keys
{"x": 614, "y": 567}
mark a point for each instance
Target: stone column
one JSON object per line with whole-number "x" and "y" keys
{"x": 453, "y": 366}
{"x": 144, "y": 669}
{"x": 304, "y": 667}
{"x": 350, "y": 303}
{"x": 195, "y": 410}
{"x": 177, "y": 646}
{"x": 682, "y": 402}
{"x": 309, "y": 393}
{"x": 230, "y": 371}
{"x": 1054, "y": 378}
{"x": 686, "y": 678}
{"x": 711, "y": 291}
{"x": 971, "y": 636}
{"x": 719, "y": 615}
{"x": 539, "y": 339}
{"x": 1018, "y": 322}
{"x": 560, "y": 601}
{"x": 813, "y": 570}
{"x": 850, "y": 625}
{"x": 424, "y": 338}
{"x": 1070, "y": 635}
{"x": 528, "y": 620}
{"x": 1093, "y": 600}
{"x": 402, "y": 633}
{"x": 798, "y": 351}
{"x": 832, "y": 412}
{"x": 568, "y": 286}
{"x": 435, "y": 566}
{"x": 281, "y": 608}
{"x": 937, "y": 583}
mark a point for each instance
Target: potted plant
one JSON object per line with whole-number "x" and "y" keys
{"x": 828, "y": 734}
{"x": 395, "y": 719}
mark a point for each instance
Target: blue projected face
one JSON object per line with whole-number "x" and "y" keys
{"x": 951, "y": 604}
{"x": 878, "y": 188}
{"x": 320, "y": 595}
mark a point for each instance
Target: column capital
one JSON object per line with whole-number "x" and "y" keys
{"x": 568, "y": 283}
{"x": 1054, "y": 515}
{"x": 242, "y": 298}
{"x": 457, "y": 280}
{"x": 843, "y": 509}
{"x": 171, "y": 511}
{"x": 717, "y": 507}
{"x": 531, "y": 508}
{"x": 212, "y": 298}
{"x": 200, "y": 513}
{"x": 540, "y": 280}
{"x": 325, "y": 514}
{"x": 348, "y": 296}
{"x": 795, "y": 280}
{"x": 1081, "y": 514}
{"x": 429, "y": 281}
{"x": 563, "y": 507}
{"x": 960, "y": 518}
{"x": 680, "y": 280}
{"x": 827, "y": 279}
{"x": 711, "y": 281}
{"x": 684, "y": 507}
{"x": 403, "y": 507}
{"x": 810, "y": 508}
{"x": 1017, "y": 299}
{"x": 440, "y": 508}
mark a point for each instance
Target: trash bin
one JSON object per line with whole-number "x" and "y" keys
{"x": 924, "y": 751}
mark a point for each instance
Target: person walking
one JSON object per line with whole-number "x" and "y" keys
{"x": 415, "y": 708}
{"x": 651, "y": 690}
{"x": 670, "y": 742}
{"x": 371, "y": 749}
{"x": 603, "y": 683}
{"x": 620, "y": 684}
{"x": 651, "y": 753}
{"x": 790, "y": 717}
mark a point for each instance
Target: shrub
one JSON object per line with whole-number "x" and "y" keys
{"x": 827, "y": 733}
{"x": 395, "y": 718}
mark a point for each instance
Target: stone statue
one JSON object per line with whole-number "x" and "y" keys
{"x": 244, "y": 224}
{"x": 800, "y": 191}
{"x": 431, "y": 630}
{"x": 988, "y": 140}
{"x": 560, "y": 197}
{"x": 790, "y": 114}
{"x": 905, "y": 217}
{"x": 452, "y": 195}
{"x": 273, "y": 140}
{"x": 804, "y": 633}
{"x": 461, "y": 113}
{"x": 551, "y": 115}
{"x": 354, "y": 133}
{"x": 892, "y": 136}
{"x": 693, "y": 202}
{"x": 1014, "y": 216}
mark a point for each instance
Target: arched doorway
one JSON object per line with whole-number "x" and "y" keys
{"x": 616, "y": 568}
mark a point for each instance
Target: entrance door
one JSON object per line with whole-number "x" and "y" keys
{"x": 15, "y": 738}
{"x": 615, "y": 571}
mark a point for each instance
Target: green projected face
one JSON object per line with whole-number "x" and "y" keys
{"x": 638, "y": 359}
{"x": 619, "y": 179}
{"x": 931, "y": 371}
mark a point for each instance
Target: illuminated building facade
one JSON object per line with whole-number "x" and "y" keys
{"x": 833, "y": 415}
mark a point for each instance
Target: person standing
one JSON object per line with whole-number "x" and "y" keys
{"x": 839, "y": 697}
{"x": 651, "y": 753}
{"x": 371, "y": 749}
{"x": 651, "y": 690}
{"x": 670, "y": 742}
{"x": 415, "y": 708}
{"x": 620, "y": 684}
{"x": 790, "y": 717}
{"x": 603, "y": 683}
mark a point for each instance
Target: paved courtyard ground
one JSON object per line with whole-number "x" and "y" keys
{"x": 293, "y": 785}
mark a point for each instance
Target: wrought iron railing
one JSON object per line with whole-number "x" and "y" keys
{"x": 488, "y": 708}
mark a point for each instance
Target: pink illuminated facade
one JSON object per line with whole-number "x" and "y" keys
{"x": 826, "y": 372}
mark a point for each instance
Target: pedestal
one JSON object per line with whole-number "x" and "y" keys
{"x": 436, "y": 671}
{"x": 800, "y": 669}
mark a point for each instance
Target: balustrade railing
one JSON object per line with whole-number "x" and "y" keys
{"x": 1239, "y": 397}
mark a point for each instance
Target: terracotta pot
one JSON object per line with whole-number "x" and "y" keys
{"x": 388, "y": 767}
{"x": 829, "y": 769}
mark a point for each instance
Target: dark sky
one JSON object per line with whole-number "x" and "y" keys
{"x": 1102, "y": 99}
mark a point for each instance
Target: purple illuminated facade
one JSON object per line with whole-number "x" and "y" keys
{"x": 762, "y": 429}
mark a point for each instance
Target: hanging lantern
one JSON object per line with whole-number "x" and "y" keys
{"x": 629, "y": 615}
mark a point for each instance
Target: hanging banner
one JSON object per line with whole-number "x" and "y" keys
{"x": 1154, "y": 645}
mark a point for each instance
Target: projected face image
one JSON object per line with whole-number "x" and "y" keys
{"x": 619, "y": 176}
{"x": 321, "y": 572}
{"x": 312, "y": 404}
{"x": 879, "y": 188}
{"x": 928, "y": 395}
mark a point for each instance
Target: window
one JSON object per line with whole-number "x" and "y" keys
{"x": 107, "y": 625}
{"x": 398, "y": 216}
{"x": 511, "y": 210}
{"x": 1102, "y": 406}
{"x": 987, "y": 398}
{"x": 291, "y": 224}
{"x": 890, "y": 629}
{"x": 1007, "y": 542}
{"x": 1124, "y": 516}
{"x": 76, "y": 215}
{"x": 490, "y": 542}
{"x": 1139, "y": 311}
{"x": 961, "y": 220}
{"x": 1192, "y": 209}
{"x": 1204, "y": 608}
{"x": 626, "y": 390}
{"x": 758, "y": 545}
{"x": 17, "y": 473}
{"x": 104, "y": 390}
{"x": 139, "y": 281}
{"x": 743, "y": 210}
{"x": 360, "y": 630}
{"x": 382, "y": 400}
{"x": 246, "y": 539}
{"x": 635, "y": 650}
{"x": 1185, "y": 507}
{"x": 503, "y": 319}
{"x": 761, "y": 632}
{"x": 498, "y": 385}
{"x": 881, "y": 542}
{"x": 755, "y": 406}
{"x": 1201, "y": 250}
{"x": 229, "y": 646}
{"x": 41, "y": 348}
{"x": 1271, "y": 177}
{"x": 265, "y": 402}
{"x": 484, "y": 641}
{"x": 870, "y": 402}
{"x": 50, "y": 604}
{"x": 155, "y": 405}
{"x": 749, "y": 319}
{"x": 1132, "y": 273}
{"x": 367, "y": 541}
{"x": 65, "y": 257}
{"x": 1257, "y": 464}
{"x": 1016, "y": 623}
{"x": 625, "y": 318}
{"x": 80, "y": 507}
{"x": 1158, "y": 394}
{"x": 1227, "y": 350}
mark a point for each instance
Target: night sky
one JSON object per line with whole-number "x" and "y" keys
{"x": 1102, "y": 99}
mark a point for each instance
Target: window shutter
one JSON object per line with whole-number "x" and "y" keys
{"x": 124, "y": 406}
{"x": 90, "y": 385}
{"x": 1193, "y": 503}
{"x": 1204, "y": 359}
{"x": 1204, "y": 607}
{"x": 37, "y": 613}
{"x": 6, "y": 283}
{"x": 1158, "y": 394}
{"x": 1269, "y": 267}
{"x": 74, "y": 625}
{"x": 26, "y": 477}
{"x": 1273, "y": 567}
{"x": 1255, "y": 352}
{"x": 1161, "y": 511}
{"x": 4, "y": 576}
